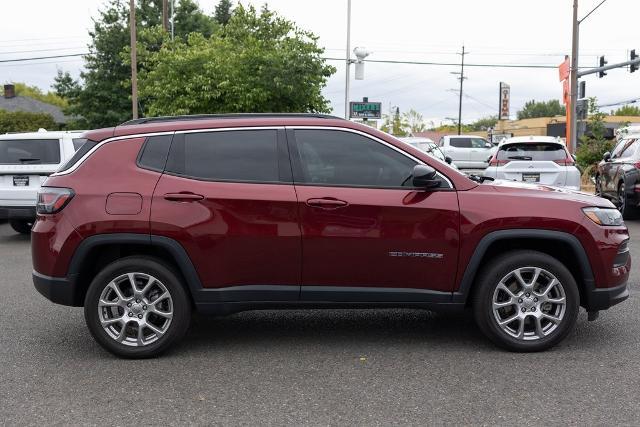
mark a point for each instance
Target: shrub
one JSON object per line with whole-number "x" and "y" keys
{"x": 590, "y": 152}
{"x": 22, "y": 121}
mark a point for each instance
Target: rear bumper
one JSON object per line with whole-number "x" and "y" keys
{"x": 603, "y": 298}
{"x": 17, "y": 212}
{"x": 60, "y": 290}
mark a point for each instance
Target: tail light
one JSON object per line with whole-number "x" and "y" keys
{"x": 637, "y": 165}
{"x": 53, "y": 199}
{"x": 495, "y": 162}
{"x": 565, "y": 162}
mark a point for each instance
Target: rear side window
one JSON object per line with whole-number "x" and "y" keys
{"x": 630, "y": 148}
{"x": 30, "y": 152}
{"x": 241, "y": 156}
{"x": 84, "y": 149}
{"x": 154, "y": 152}
{"x": 532, "y": 151}
{"x": 78, "y": 142}
{"x": 460, "y": 142}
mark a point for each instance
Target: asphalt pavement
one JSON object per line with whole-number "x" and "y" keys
{"x": 333, "y": 367}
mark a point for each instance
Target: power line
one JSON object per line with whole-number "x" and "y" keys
{"x": 42, "y": 57}
{"x": 453, "y": 64}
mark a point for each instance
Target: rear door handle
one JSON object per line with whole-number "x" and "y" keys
{"x": 183, "y": 197}
{"x": 326, "y": 203}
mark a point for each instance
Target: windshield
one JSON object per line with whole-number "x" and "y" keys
{"x": 532, "y": 151}
{"x": 29, "y": 151}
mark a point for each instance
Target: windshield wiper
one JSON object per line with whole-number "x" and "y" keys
{"x": 520, "y": 158}
{"x": 28, "y": 159}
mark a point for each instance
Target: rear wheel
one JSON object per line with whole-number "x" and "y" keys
{"x": 137, "y": 308}
{"x": 526, "y": 301}
{"x": 22, "y": 226}
{"x": 625, "y": 209}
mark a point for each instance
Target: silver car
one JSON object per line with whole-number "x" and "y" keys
{"x": 428, "y": 146}
{"x": 536, "y": 159}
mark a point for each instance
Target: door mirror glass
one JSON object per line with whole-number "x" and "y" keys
{"x": 425, "y": 177}
{"x": 606, "y": 157}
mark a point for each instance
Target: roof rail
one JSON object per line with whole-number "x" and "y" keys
{"x": 226, "y": 116}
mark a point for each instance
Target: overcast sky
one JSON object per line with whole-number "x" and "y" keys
{"x": 493, "y": 31}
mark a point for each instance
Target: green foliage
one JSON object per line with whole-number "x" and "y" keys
{"x": 258, "y": 62}
{"x": 395, "y": 124}
{"x": 627, "y": 110}
{"x": 65, "y": 86}
{"x": 533, "y": 109}
{"x": 104, "y": 99}
{"x": 593, "y": 145}
{"x": 21, "y": 121}
{"x": 223, "y": 12}
{"x": 484, "y": 123}
{"x": 414, "y": 121}
{"x": 34, "y": 92}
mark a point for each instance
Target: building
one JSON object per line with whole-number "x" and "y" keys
{"x": 11, "y": 102}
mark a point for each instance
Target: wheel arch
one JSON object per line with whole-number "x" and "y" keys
{"x": 95, "y": 252}
{"x": 565, "y": 247}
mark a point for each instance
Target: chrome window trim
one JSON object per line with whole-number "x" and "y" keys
{"x": 144, "y": 135}
{"x": 376, "y": 139}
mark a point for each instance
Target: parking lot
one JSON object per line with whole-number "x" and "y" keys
{"x": 363, "y": 367}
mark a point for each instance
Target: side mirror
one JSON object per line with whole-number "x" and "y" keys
{"x": 448, "y": 159}
{"x": 606, "y": 157}
{"x": 425, "y": 176}
{"x": 488, "y": 145}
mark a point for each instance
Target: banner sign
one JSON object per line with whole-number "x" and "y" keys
{"x": 365, "y": 110}
{"x": 505, "y": 101}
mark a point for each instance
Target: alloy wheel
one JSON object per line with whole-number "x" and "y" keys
{"x": 135, "y": 309}
{"x": 529, "y": 303}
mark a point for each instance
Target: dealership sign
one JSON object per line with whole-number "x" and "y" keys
{"x": 505, "y": 101}
{"x": 365, "y": 110}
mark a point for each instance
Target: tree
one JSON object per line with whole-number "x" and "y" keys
{"x": 104, "y": 99}
{"x": 593, "y": 145}
{"x": 627, "y": 110}
{"x": 223, "y": 11}
{"x": 533, "y": 109}
{"x": 34, "y": 92}
{"x": 22, "y": 121}
{"x": 484, "y": 123}
{"x": 414, "y": 121}
{"x": 395, "y": 124}
{"x": 258, "y": 62}
{"x": 65, "y": 86}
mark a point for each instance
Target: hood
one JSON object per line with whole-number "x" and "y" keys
{"x": 547, "y": 191}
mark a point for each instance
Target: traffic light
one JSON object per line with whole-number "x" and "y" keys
{"x": 601, "y": 74}
{"x": 636, "y": 66}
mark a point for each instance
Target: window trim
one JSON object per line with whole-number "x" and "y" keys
{"x": 296, "y": 161}
{"x": 141, "y": 152}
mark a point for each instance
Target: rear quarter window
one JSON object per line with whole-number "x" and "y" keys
{"x": 154, "y": 152}
{"x": 460, "y": 142}
{"x": 532, "y": 151}
{"x": 30, "y": 151}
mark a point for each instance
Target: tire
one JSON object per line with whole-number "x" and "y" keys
{"x": 22, "y": 226}
{"x": 524, "y": 333}
{"x": 163, "y": 305}
{"x": 627, "y": 211}
{"x": 598, "y": 185}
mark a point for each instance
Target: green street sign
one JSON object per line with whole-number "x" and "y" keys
{"x": 365, "y": 110}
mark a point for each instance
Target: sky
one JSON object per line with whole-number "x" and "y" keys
{"x": 492, "y": 31}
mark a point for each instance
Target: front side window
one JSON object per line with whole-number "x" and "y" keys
{"x": 347, "y": 159}
{"x": 241, "y": 156}
{"x": 29, "y": 152}
{"x": 479, "y": 143}
{"x": 629, "y": 148}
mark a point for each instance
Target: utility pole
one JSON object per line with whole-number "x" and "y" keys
{"x": 572, "y": 121}
{"x": 134, "y": 60}
{"x": 462, "y": 77}
{"x": 165, "y": 15}
{"x": 348, "y": 63}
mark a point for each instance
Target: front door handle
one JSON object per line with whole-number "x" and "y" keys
{"x": 326, "y": 203}
{"x": 183, "y": 197}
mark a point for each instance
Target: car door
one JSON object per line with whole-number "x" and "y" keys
{"x": 460, "y": 151}
{"x": 227, "y": 197}
{"x": 611, "y": 169}
{"x": 481, "y": 150}
{"x": 367, "y": 235}
{"x": 624, "y": 163}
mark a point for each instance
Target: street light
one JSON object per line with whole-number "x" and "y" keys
{"x": 360, "y": 53}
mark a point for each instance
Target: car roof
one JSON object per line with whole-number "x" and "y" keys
{"x": 532, "y": 139}
{"x": 464, "y": 136}
{"x": 416, "y": 139}
{"x": 41, "y": 134}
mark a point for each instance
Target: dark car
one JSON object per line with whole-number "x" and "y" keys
{"x": 618, "y": 176}
{"x": 159, "y": 217}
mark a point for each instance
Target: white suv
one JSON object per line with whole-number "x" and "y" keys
{"x": 536, "y": 159}
{"x": 26, "y": 159}
{"x": 467, "y": 151}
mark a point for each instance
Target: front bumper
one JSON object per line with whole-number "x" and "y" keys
{"x": 17, "y": 212}
{"x": 60, "y": 290}
{"x": 603, "y": 298}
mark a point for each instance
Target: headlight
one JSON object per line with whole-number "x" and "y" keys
{"x": 604, "y": 216}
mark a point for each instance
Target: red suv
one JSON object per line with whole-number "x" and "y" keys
{"x": 162, "y": 216}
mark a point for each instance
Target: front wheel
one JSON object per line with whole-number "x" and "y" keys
{"x": 526, "y": 301}
{"x": 137, "y": 308}
{"x": 22, "y": 226}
